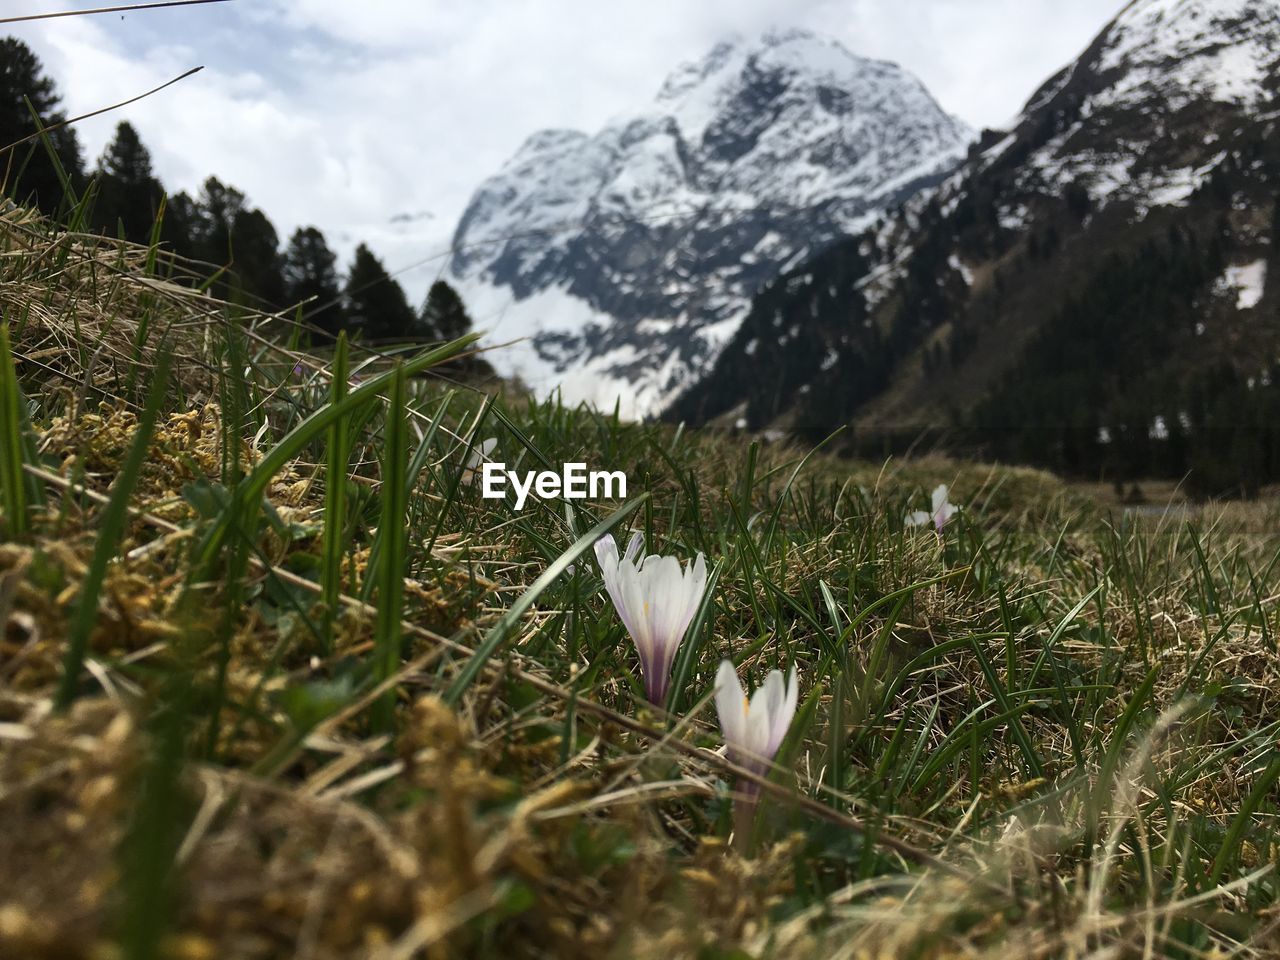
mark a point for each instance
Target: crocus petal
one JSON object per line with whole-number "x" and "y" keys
{"x": 653, "y": 609}
{"x": 656, "y": 601}
{"x": 793, "y": 697}
{"x": 757, "y": 740}
{"x": 692, "y": 586}
{"x": 607, "y": 557}
{"x": 730, "y": 708}
{"x": 771, "y": 694}
{"x": 697, "y": 586}
{"x": 758, "y": 720}
{"x": 939, "y": 497}
{"x": 754, "y": 730}
{"x": 607, "y": 552}
{"x": 632, "y": 608}
{"x": 675, "y": 600}
{"x": 945, "y": 513}
{"x": 479, "y": 454}
{"x": 917, "y": 519}
{"x": 780, "y": 719}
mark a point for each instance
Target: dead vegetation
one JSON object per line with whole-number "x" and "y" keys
{"x": 1048, "y": 732}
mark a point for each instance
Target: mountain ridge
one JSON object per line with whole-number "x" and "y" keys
{"x": 995, "y": 309}
{"x": 626, "y": 258}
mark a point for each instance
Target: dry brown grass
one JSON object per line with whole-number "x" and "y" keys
{"x": 549, "y": 814}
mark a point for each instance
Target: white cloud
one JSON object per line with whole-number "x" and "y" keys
{"x": 345, "y": 114}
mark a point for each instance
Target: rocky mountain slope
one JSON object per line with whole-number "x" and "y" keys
{"x": 628, "y": 257}
{"x": 1092, "y": 289}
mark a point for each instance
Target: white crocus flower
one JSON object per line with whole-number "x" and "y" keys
{"x": 753, "y": 729}
{"x": 943, "y": 510}
{"x": 479, "y": 456}
{"x": 656, "y": 600}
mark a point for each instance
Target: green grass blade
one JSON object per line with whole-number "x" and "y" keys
{"x": 416, "y": 465}
{"x": 498, "y": 635}
{"x": 687, "y": 656}
{"x": 159, "y": 820}
{"x": 335, "y": 496}
{"x": 1230, "y": 848}
{"x": 12, "y": 483}
{"x": 1001, "y": 696}
{"x": 251, "y": 489}
{"x": 391, "y": 528}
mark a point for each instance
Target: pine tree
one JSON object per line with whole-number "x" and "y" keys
{"x": 376, "y": 303}
{"x": 128, "y": 192}
{"x": 255, "y": 249}
{"x": 181, "y": 222}
{"x": 218, "y": 208}
{"x": 443, "y": 315}
{"x": 220, "y": 229}
{"x": 310, "y": 274}
{"x": 29, "y": 173}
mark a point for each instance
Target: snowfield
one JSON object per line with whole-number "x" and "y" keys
{"x": 1248, "y": 282}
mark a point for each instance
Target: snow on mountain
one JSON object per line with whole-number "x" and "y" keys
{"x": 1151, "y": 159}
{"x": 1152, "y": 73}
{"x": 1247, "y": 282}
{"x": 1141, "y": 117}
{"x": 1222, "y": 49}
{"x": 627, "y": 259}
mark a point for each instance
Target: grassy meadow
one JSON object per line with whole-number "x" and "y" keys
{"x": 275, "y": 681}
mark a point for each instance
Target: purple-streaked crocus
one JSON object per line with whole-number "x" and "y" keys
{"x": 943, "y": 510}
{"x": 656, "y": 600}
{"x": 753, "y": 728}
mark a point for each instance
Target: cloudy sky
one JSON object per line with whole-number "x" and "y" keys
{"x": 349, "y": 113}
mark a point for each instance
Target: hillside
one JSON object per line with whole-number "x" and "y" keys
{"x": 628, "y": 257}
{"x": 276, "y": 681}
{"x": 1089, "y": 291}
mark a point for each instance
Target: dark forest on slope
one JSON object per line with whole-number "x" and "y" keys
{"x": 218, "y": 233}
{"x": 1120, "y": 378}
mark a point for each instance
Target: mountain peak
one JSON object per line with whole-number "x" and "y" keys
{"x": 781, "y": 61}
{"x": 694, "y": 73}
{"x": 630, "y": 255}
{"x": 1225, "y": 50}
{"x": 1099, "y": 273}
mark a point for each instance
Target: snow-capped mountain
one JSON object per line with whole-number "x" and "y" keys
{"x": 1130, "y": 119}
{"x": 628, "y": 258}
{"x": 1089, "y": 280}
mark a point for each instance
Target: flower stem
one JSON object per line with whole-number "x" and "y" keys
{"x": 744, "y": 819}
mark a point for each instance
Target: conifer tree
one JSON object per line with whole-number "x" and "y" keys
{"x": 443, "y": 315}
{"x": 181, "y": 219}
{"x": 27, "y": 171}
{"x": 376, "y": 303}
{"x": 220, "y": 229}
{"x": 128, "y": 192}
{"x": 310, "y": 272}
{"x": 257, "y": 263}
{"x": 218, "y": 208}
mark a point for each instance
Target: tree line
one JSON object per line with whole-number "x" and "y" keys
{"x": 218, "y": 231}
{"x": 1104, "y": 388}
